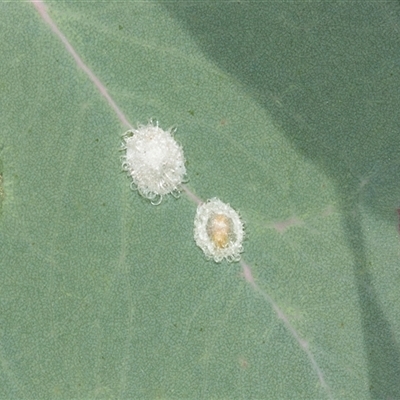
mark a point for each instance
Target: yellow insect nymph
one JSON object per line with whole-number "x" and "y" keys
{"x": 219, "y": 229}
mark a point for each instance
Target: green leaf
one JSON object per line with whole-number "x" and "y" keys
{"x": 287, "y": 111}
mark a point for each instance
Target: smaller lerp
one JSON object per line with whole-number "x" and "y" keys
{"x": 154, "y": 160}
{"x": 218, "y": 231}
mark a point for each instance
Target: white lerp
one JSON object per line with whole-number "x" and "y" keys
{"x": 218, "y": 230}
{"x": 154, "y": 160}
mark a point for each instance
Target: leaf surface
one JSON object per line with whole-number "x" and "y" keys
{"x": 286, "y": 111}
